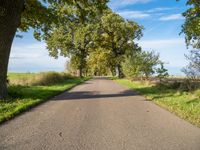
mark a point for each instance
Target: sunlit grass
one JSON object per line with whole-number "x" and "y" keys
{"x": 22, "y": 98}
{"x": 184, "y": 104}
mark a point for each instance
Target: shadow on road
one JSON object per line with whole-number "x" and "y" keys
{"x": 92, "y": 95}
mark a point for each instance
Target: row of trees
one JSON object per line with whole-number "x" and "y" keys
{"x": 81, "y": 30}
{"x": 112, "y": 48}
{"x": 102, "y": 47}
{"x": 44, "y": 16}
{"x": 86, "y": 31}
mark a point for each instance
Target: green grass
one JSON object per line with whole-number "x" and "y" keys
{"x": 22, "y": 98}
{"x": 12, "y": 76}
{"x": 184, "y": 104}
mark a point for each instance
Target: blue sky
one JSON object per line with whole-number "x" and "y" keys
{"x": 161, "y": 19}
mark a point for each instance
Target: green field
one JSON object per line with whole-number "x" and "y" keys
{"x": 12, "y": 76}
{"x": 184, "y": 104}
{"x": 22, "y": 97}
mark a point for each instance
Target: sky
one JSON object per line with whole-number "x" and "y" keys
{"x": 161, "y": 20}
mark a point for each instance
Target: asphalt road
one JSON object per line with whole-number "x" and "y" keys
{"x": 99, "y": 115}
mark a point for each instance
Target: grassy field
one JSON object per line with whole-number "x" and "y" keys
{"x": 13, "y": 76}
{"x": 23, "y": 97}
{"x": 184, "y": 104}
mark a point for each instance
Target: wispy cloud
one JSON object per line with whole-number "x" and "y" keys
{"x": 160, "y": 44}
{"x": 159, "y": 9}
{"x": 32, "y": 51}
{"x": 26, "y": 56}
{"x": 33, "y": 57}
{"x": 172, "y": 17}
{"x": 115, "y": 4}
{"x": 134, "y": 14}
{"x": 155, "y": 13}
{"x": 127, "y": 2}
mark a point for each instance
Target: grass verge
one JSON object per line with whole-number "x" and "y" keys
{"x": 184, "y": 104}
{"x": 22, "y": 98}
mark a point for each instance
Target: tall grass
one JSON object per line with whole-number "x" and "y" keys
{"x": 44, "y": 78}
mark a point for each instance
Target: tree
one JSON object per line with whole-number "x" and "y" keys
{"x": 36, "y": 14}
{"x": 72, "y": 41}
{"x": 149, "y": 61}
{"x": 162, "y": 72}
{"x": 73, "y": 37}
{"x": 191, "y": 27}
{"x": 99, "y": 61}
{"x": 192, "y": 70}
{"x": 75, "y": 64}
{"x": 140, "y": 64}
{"x": 10, "y": 19}
{"x": 117, "y": 35}
{"x": 131, "y": 67}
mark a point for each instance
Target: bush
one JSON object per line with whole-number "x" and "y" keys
{"x": 49, "y": 78}
{"x": 175, "y": 85}
{"x": 184, "y": 85}
{"x": 140, "y": 64}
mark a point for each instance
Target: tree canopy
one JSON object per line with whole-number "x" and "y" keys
{"x": 191, "y": 27}
{"x": 43, "y": 16}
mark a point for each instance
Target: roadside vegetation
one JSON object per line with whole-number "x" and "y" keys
{"x": 26, "y": 90}
{"x": 176, "y": 99}
{"x": 97, "y": 41}
{"x": 43, "y": 78}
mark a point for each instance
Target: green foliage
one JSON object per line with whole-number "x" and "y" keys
{"x": 162, "y": 72}
{"x": 42, "y": 15}
{"x": 191, "y": 27}
{"x": 184, "y": 104}
{"x": 64, "y": 25}
{"x": 72, "y": 37}
{"x": 99, "y": 61}
{"x": 117, "y": 36}
{"x": 78, "y": 62}
{"x": 132, "y": 66}
{"x": 141, "y": 64}
{"x": 110, "y": 39}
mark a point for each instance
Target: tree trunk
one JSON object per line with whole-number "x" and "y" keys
{"x": 10, "y": 16}
{"x": 119, "y": 71}
{"x": 113, "y": 71}
{"x": 80, "y": 72}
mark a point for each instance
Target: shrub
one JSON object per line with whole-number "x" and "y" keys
{"x": 140, "y": 64}
{"x": 162, "y": 73}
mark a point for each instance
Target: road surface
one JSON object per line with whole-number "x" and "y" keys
{"x": 99, "y": 115}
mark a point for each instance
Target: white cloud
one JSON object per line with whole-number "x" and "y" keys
{"x": 160, "y": 44}
{"x": 24, "y": 55}
{"x": 127, "y": 2}
{"x": 155, "y": 13}
{"x": 115, "y": 4}
{"x": 33, "y": 57}
{"x": 134, "y": 14}
{"x": 172, "y": 17}
{"x": 36, "y": 50}
{"x": 159, "y": 9}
